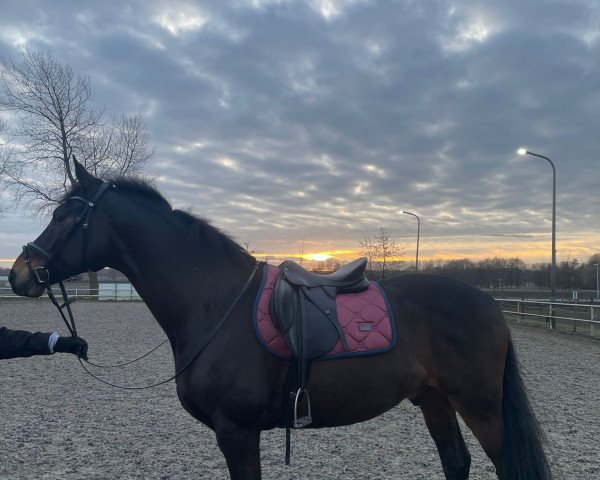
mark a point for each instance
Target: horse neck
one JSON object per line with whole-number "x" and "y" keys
{"x": 175, "y": 275}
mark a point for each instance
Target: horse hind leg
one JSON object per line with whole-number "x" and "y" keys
{"x": 440, "y": 418}
{"x": 501, "y": 417}
{"x": 483, "y": 416}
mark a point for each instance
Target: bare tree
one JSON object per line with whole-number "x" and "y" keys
{"x": 368, "y": 249}
{"x": 8, "y": 167}
{"x": 248, "y": 250}
{"x": 54, "y": 118}
{"x": 386, "y": 249}
{"x": 301, "y": 252}
{"x": 380, "y": 250}
{"x": 119, "y": 148}
{"x": 4, "y": 161}
{"x": 328, "y": 265}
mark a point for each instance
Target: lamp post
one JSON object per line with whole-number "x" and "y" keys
{"x": 523, "y": 151}
{"x": 597, "y": 283}
{"x": 418, "y": 235}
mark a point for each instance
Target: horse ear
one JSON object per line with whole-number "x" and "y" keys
{"x": 87, "y": 181}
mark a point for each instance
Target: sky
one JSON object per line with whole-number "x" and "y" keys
{"x": 307, "y": 126}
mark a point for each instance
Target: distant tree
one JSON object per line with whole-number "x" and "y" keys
{"x": 516, "y": 270}
{"x": 54, "y": 119}
{"x": 587, "y": 272}
{"x": 462, "y": 269}
{"x": 432, "y": 266}
{"x": 248, "y": 250}
{"x": 301, "y": 251}
{"x": 368, "y": 249}
{"x": 386, "y": 250}
{"x": 331, "y": 265}
{"x": 328, "y": 265}
{"x": 565, "y": 274}
{"x": 381, "y": 251}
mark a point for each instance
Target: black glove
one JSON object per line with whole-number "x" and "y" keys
{"x": 77, "y": 346}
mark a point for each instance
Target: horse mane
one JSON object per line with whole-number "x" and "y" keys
{"x": 199, "y": 229}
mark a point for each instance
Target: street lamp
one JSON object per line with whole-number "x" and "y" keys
{"x": 523, "y": 151}
{"x": 418, "y": 235}
{"x": 597, "y": 282}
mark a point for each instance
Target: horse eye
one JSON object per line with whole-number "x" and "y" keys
{"x": 58, "y": 215}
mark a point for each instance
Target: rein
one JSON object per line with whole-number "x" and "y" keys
{"x": 205, "y": 344}
{"x": 42, "y": 276}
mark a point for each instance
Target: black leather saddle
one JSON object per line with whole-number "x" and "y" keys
{"x": 304, "y": 309}
{"x": 303, "y": 306}
{"x": 349, "y": 278}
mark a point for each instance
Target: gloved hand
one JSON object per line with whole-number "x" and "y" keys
{"x": 77, "y": 346}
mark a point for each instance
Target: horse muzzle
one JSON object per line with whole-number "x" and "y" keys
{"x": 25, "y": 283}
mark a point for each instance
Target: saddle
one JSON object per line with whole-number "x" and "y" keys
{"x": 303, "y": 307}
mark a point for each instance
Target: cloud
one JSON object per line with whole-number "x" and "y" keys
{"x": 322, "y": 120}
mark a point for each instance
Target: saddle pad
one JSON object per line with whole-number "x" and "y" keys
{"x": 365, "y": 318}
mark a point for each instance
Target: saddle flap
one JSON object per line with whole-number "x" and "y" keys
{"x": 284, "y": 311}
{"x": 306, "y": 319}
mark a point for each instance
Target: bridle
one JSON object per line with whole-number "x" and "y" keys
{"x": 42, "y": 276}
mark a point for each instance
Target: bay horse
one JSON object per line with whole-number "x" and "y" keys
{"x": 454, "y": 351}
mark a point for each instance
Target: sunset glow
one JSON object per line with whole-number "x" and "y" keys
{"x": 318, "y": 257}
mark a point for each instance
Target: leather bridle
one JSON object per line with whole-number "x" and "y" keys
{"x": 42, "y": 277}
{"x": 41, "y": 274}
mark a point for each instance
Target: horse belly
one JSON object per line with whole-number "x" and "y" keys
{"x": 352, "y": 390}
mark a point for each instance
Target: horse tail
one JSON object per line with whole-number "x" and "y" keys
{"x": 523, "y": 441}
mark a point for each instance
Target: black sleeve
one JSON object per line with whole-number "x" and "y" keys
{"x": 18, "y": 343}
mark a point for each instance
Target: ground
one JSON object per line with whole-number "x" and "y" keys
{"x": 59, "y": 423}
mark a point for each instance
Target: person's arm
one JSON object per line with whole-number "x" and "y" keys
{"x": 19, "y": 343}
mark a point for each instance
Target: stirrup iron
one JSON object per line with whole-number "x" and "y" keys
{"x": 307, "y": 419}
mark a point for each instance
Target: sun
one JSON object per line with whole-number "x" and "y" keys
{"x": 317, "y": 257}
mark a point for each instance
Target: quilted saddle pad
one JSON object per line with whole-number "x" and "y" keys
{"x": 365, "y": 317}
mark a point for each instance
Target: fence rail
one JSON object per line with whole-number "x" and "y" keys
{"x": 576, "y": 317}
{"x": 108, "y": 291}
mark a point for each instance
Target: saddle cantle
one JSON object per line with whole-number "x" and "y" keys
{"x": 348, "y": 279}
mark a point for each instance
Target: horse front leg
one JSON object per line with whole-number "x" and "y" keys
{"x": 241, "y": 448}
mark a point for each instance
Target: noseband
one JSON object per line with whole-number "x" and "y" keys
{"x": 42, "y": 275}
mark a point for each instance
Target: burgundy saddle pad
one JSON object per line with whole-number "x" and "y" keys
{"x": 365, "y": 317}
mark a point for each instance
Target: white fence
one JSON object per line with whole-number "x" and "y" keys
{"x": 117, "y": 291}
{"x": 106, "y": 291}
{"x": 577, "y": 317}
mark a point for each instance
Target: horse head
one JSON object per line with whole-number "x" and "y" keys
{"x": 76, "y": 239}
